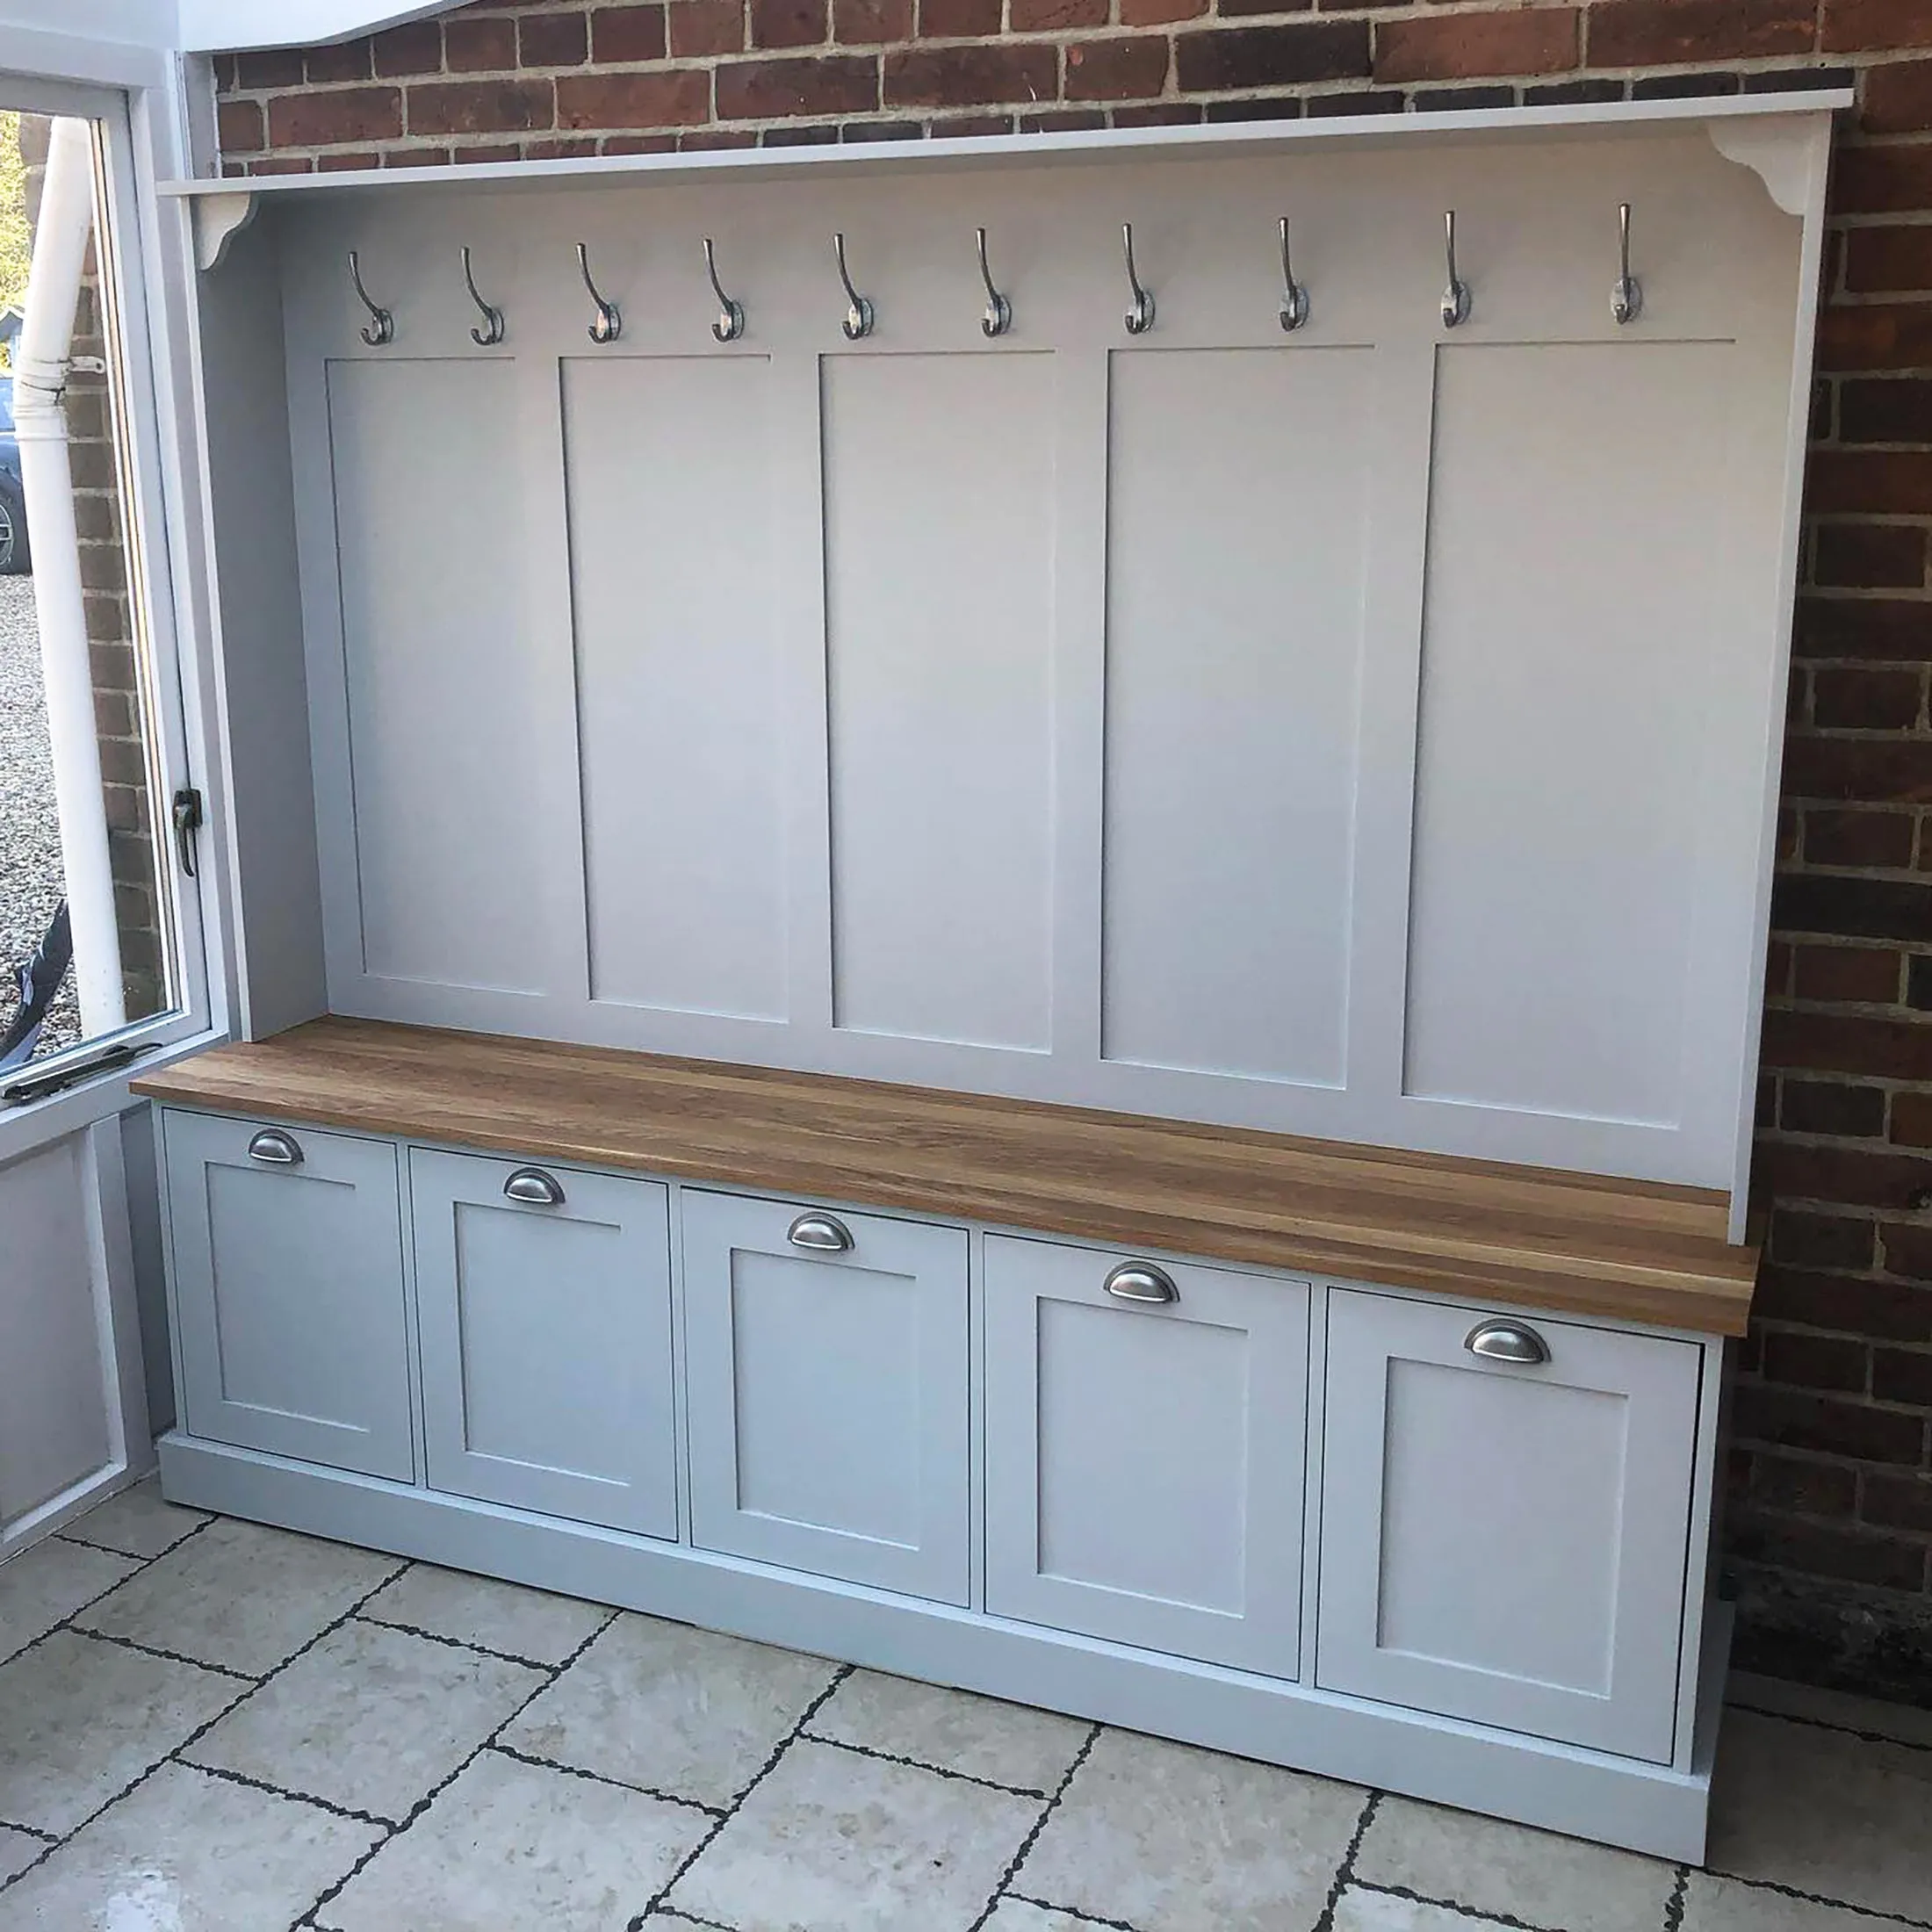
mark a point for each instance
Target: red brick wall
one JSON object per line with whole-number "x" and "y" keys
{"x": 1830, "y": 1518}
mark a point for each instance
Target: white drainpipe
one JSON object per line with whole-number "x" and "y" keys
{"x": 46, "y": 477}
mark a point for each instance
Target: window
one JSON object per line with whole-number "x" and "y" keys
{"x": 94, "y": 951}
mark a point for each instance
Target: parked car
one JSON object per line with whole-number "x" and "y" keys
{"x": 15, "y": 555}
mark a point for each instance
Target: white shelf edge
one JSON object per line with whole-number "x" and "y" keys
{"x": 1232, "y": 138}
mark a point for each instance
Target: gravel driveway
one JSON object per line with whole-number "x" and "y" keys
{"x": 30, "y": 833}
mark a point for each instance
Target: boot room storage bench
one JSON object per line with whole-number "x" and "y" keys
{"x": 1395, "y": 1467}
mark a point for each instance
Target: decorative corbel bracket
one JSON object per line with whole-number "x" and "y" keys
{"x": 1786, "y": 157}
{"x": 219, "y": 218}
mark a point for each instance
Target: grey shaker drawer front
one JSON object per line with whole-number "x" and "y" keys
{"x": 827, "y": 1383}
{"x": 1145, "y": 1450}
{"x": 544, "y": 1297}
{"x": 289, "y": 1291}
{"x": 1505, "y": 1507}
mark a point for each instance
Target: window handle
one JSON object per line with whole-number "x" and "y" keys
{"x": 187, "y": 815}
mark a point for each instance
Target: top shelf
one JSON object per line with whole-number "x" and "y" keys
{"x": 1222, "y": 141}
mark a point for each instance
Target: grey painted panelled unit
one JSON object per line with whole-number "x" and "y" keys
{"x": 1144, "y": 1458}
{"x": 1227, "y": 721}
{"x": 290, "y": 1306}
{"x": 827, "y": 1377}
{"x": 544, "y": 1296}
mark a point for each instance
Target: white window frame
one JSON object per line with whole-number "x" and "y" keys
{"x": 137, "y": 93}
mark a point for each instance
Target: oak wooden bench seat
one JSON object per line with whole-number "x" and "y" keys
{"x": 1631, "y": 1251}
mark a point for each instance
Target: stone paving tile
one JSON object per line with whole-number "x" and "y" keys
{"x": 1173, "y": 1839}
{"x": 44, "y": 1585}
{"x": 370, "y": 1719}
{"x": 1361, "y": 1910}
{"x": 832, "y": 1842}
{"x": 1007, "y": 1744}
{"x": 184, "y": 1852}
{"x": 681, "y": 1712}
{"x": 80, "y": 1721}
{"x": 1512, "y": 1870}
{"x": 137, "y": 1523}
{"x": 1822, "y": 1811}
{"x": 479, "y": 1610}
{"x": 514, "y": 1845}
{"x": 238, "y": 1596}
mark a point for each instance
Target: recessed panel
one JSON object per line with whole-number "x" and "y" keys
{"x": 827, "y": 1367}
{"x": 940, "y": 515}
{"x": 669, "y": 481}
{"x": 1576, "y": 580}
{"x": 1547, "y": 1464}
{"x": 1237, "y": 516}
{"x": 541, "y": 1383}
{"x": 441, "y": 672}
{"x": 1142, "y": 1455}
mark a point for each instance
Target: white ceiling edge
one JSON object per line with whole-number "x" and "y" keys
{"x": 219, "y": 27}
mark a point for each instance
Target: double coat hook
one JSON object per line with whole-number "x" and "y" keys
{"x": 382, "y": 325}
{"x": 1455, "y": 298}
{"x": 492, "y": 331}
{"x": 1140, "y": 318}
{"x": 1627, "y": 300}
{"x": 998, "y": 316}
{"x": 610, "y": 323}
{"x": 859, "y": 317}
{"x": 730, "y": 324}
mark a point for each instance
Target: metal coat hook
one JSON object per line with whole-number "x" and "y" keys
{"x": 858, "y": 317}
{"x": 1455, "y": 298}
{"x": 998, "y": 316}
{"x": 730, "y": 324}
{"x": 382, "y": 324}
{"x": 610, "y": 323}
{"x": 492, "y": 331}
{"x": 1140, "y": 318}
{"x": 1294, "y": 297}
{"x": 1627, "y": 300}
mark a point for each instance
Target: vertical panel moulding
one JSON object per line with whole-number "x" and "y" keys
{"x": 314, "y": 329}
{"x": 551, "y": 617}
{"x": 940, "y": 497}
{"x": 1080, "y": 708}
{"x": 679, "y": 712}
{"x": 798, "y": 572}
{"x": 1391, "y": 692}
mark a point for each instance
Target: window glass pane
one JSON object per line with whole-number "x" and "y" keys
{"x": 86, "y": 915}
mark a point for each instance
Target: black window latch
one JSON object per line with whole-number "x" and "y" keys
{"x": 187, "y": 818}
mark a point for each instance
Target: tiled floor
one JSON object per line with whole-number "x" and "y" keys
{"x": 208, "y": 1727}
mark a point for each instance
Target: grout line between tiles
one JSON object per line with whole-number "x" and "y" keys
{"x": 1413, "y": 1897}
{"x": 919, "y": 1764}
{"x": 1673, "y": 1906}
{"x": 1038, "y": 1826}
{"x": 166, "y": 1656}
{"x": 280, "y": 1791}
{"x": 1071, "y": 1911}
{"x": 1817, "y": 1897}
{"x": 200, "y": 1731}
{"x": 1826, "y": 1724}
{"x": 1344, "y": 1872}
{"x": 551, "y": 1672}
{"x": 598, "y": 1778}
{"x": 454, "y": 1643}
{"x": 764, "y": 1770}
